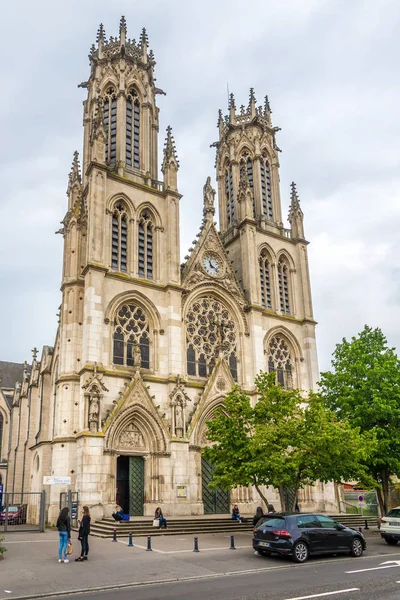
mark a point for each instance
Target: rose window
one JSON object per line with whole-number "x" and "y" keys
{"x": 131, "y": 337}
{"x": 280, "y": 361}
{"x": 210, "y": 331}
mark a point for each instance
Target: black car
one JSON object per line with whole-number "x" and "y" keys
{"x": 301, "y": 534}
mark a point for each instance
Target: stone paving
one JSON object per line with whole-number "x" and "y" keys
{"x": 31, "y": 568}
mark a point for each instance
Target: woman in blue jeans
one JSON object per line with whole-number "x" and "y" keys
{"x": 64, "y": 531}
{"x": 161, "y": 519}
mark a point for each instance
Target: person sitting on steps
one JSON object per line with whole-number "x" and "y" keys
{"x": 118, "y": 515}
{"x": 236, "y": 513}
{"x": 158, "y": 515}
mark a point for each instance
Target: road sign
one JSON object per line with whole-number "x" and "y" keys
{"x": 360, "y": 498}
{"x": 54, "y": 480}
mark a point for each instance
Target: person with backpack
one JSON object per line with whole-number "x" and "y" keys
{"x": 83, "y": 534}
{"x": 64, "y": 531}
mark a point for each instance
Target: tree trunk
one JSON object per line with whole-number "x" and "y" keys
{"x": 380, "y": 501}
{"x": 282, "y": 498}
{"x": 385, "y": 491}
{"x": 263, "y": 498}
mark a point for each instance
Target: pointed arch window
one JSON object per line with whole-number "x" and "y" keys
{"x": 266, "y": 188}
{"x": 210, "y": 330}
{"x": 110, "y": 124}
{"x": 280, "y": 361}
{"x": 132, "y": 151}
{"x": 145, "y": 239}
{"x": 246, "y": 168}
{"x": 265, "y": 280}
{"x": 283, "y": 281}
{"x": 229, "y": 197}
{"x": 119, "y": 239}
{"x": 131, "y": 337}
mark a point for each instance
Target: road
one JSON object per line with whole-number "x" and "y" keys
{"x": 367, "y": 578}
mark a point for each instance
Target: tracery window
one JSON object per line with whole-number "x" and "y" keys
{"x": 283, "y": 281}
{"x": 265, "y": 279}
{"x": 246, "y": 167}
{"x": 110, "y": 124}
{"x": 145, "y": 255}
{"x": 280, "y": 361}
{"x": 131, "y": 337}
{"x": 119, "y": 239}
{"x": 132, "y": 152}
{"x": 266, "y": 188}
{"x": 1, "y": 434}
{"x": 210, "y": 329}
{"x": 230, "y": 197}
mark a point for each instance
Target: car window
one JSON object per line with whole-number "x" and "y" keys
{"x": 395, "y": 512}
{"x": 272, "y": 521}
{"x": 307, "y": 521}
{"x": 326, "y": 522}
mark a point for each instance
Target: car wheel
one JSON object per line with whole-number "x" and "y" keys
{"x": 356, "y": 547}
{"x": 391, "y": 541}
{"x": 300, "y": 552}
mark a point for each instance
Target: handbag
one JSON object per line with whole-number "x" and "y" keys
{"x": 69, "y": 548}
{"x": 156, "y": 523}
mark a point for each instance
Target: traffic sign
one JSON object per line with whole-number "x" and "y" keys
{"x": 360, "y": 498}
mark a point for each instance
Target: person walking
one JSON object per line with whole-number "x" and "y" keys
{"x": 83, "y": 535}
{"x": 161, "y": 519}
{"x": 64, "y": 531}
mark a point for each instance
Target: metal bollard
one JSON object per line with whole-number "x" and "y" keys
{"x": 360, "y": 529}
{"x": 149, "y": 548}
{"x": 366, "y": 524}
{"x": 232, "y": 543}
{"x": 130, "y": 539}
{"x": 115, "y": 535}
{"x": 196, "y": 545}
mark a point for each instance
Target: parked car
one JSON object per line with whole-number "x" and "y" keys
{"x": 16, "y": 515}
{"x": 305, "y": 534}
{"x": 390, "y": 526}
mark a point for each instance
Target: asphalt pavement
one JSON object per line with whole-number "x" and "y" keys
{"x": 173, "y": 570}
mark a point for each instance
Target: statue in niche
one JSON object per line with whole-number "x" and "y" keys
{"x": 131, "y": 438}
{"x": 179, "y": 421}
{"x": 208, "y": 197}
{"x": 94, "y": 414}
{"x": 137, "y": 356}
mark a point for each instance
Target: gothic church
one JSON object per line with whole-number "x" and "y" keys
{"x": 147, "y": 346}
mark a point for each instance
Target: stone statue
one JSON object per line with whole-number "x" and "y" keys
{"x": 94, "y": 414}
{"x": 208, "y": 198}
{"x": 179, "y": 425}
{"x": 137, "y": 356}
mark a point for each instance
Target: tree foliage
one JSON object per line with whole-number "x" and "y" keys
{"x": 364, "y": 388}
{"x": 284, "y": 441}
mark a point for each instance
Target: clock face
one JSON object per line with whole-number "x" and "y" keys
{"x": 211, "y": 264}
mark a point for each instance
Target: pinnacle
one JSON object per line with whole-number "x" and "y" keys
{"x": 267, "y": 107}
{"x": 75, "y": 174}
{"x": 220, "y": 118}
{"x": 293, "y": 196}
{"x": 252, "y": 98}
{"x": 232, "y": 101}
{"x": 144, "y": 37}
{"x": 122, "y": 25}
{"x": 169, "y": 146}
{"x": 101, "y": 34}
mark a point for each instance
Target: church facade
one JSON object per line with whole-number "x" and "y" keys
{"x": 147, "y": 346}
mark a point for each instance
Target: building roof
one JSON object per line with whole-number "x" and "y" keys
{"x": 10, "y": 374}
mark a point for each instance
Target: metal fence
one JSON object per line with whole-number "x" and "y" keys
{"x": 23, "y": 511}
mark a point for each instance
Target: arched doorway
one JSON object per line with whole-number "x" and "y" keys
{"x": 215, "y": 501}
{"x": 130, "y": 484}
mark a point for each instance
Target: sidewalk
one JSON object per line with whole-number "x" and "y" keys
{"x": 31, "y": 568}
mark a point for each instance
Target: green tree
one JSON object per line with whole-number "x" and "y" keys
{"x": 364, "y": 387}
{"x": 285, "y": 441}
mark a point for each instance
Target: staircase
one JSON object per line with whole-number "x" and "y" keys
{"x": 206, "y": 524}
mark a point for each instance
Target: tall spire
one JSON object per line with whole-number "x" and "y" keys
{"x": 252, "y": 102}
{"x": 296, "y": 216}
{"x": 75, "y": 173}
{"x": 122, "y": 30}
{"x": 170, "y": 164}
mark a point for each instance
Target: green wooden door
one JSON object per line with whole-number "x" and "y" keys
{"x": 214, "y": 501}
{"x": 136, "y": 486}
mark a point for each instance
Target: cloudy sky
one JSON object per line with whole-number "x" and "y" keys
{"x": 331, "y": 70}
